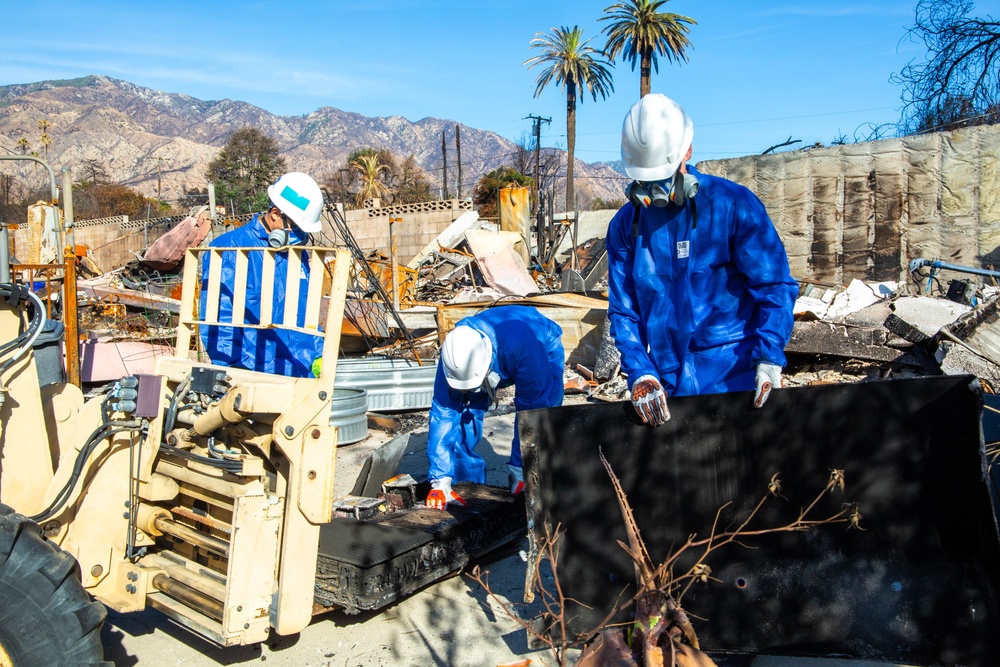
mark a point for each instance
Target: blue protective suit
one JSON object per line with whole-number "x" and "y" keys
{"x": 699, "y": 305}
{"x": 271, "y": 350}
{"x": 527, "y": 353}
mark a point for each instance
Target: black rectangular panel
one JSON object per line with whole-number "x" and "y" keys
{"x": 918, "y": 585}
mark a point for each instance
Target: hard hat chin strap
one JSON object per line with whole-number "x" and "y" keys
{"x": 490, "y": 384}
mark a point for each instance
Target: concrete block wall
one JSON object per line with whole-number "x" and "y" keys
{"x": 865, "y": 210}
{"x": 113, "y": 242}
{"x": 420, "y": 224}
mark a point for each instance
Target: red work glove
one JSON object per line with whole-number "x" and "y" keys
{"x": 650, "y": 400}
{"x": 441, "y": 494}
{"x": 515, "y": 478}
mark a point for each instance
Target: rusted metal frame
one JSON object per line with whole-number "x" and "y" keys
{"x": 31, "y": 269}
{"x": 70, "y": 313}
{"x": 71, "y": 320}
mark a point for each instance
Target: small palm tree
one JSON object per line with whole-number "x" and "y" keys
{"x": 576, "y": 66}
{"x": 371, "y": 170}
{"x": 22, "y": 145}
{"x": 639, "y": 30}
{"x": 46, "y": 141}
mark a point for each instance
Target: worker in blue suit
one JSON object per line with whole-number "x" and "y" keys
{"x": 700, "y": 293}
{"x": 499, "y": 347}
{"x": 296, "y": 203}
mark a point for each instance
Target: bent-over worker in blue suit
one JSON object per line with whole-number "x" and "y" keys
{"x": 296, "y": 203}
{"x": 499, "y": 347}
{"x": 700, "y": 294}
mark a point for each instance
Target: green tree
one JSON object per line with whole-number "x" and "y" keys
{"x": 22, "y": 145}
{"x": 412, "y": 185}
{"x": 370, "y": 169}
{"x": 600, "y": 204}
{"x": 244, "y": 168}
{"x": 487, "y": 190}
{"x": 640, "y": 31}
{"x": 576, "y": 66}
{"x": 958, "y": 81}
{"x": 102, "y": 200}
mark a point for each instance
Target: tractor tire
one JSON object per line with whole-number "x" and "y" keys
{"x": 46, "y": 617}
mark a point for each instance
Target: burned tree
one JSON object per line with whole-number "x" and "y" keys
{"x": 958, "y": 82}
{"x": 661, "y": 632}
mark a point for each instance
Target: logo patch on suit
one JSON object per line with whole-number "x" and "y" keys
{"x": 683, "y": 249}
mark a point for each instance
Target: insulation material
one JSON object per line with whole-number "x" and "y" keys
{"x": 865, "y": 210}
{"x": 515, "y": 207}
{"x": 923, "y": 213}
{"x": 959, "y": 198}
{"x": 826, "y": 252}
{"x": 500, "y": 263}
{"x": 44, "y": 220}
{"x": 859, "y": 182}
{"x": 989, "y": 199}
{"x": 797, "y": 208}
{"x": 888, "y": 213}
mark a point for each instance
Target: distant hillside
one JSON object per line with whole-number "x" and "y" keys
{"x": 134, "y": 132}
{"x": 618, "y": 166}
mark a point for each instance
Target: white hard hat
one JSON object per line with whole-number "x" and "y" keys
{"x": 297, "y": 196}
{"x": 656, "y": 136}
{"x": 466, "y": 355}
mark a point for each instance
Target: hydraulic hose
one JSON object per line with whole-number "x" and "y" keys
{"x": 27, "y": 338}
{"x": 34, "y": 327}
{"x": 101, "y": 433}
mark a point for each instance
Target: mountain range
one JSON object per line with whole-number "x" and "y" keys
{"x": 140, "y": 136}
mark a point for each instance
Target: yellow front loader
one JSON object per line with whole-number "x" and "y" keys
{"x": 198, "y": 490}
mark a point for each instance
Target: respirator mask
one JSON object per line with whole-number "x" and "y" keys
{"x": 287, "y": 234}
{"x": 676, "y": 190}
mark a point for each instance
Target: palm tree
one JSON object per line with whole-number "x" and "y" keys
{"x": 22, "y": 145}
{"x": 46, "y": 141}
{"x": 576, "y": 66}
{"x": 639, "y": 30}
{"x": 370, "y": 169}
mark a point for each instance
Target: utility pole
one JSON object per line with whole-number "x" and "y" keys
{"x": 537, "y": 131}
{"x": 159, "y": 162}
{"x": 458, "y": 149}
{"x": 444, "y": 168}
{"x": 540, "y": 217}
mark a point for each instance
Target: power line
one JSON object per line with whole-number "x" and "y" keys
{"x": 754, "y": 120}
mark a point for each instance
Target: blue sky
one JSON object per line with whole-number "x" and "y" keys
{"x": 759, "y": 72}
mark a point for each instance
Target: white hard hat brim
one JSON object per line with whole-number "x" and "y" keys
{"x": 465, "y": 385}
{"x": 650, "y": 174}
{"x": 310, "y": 228}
